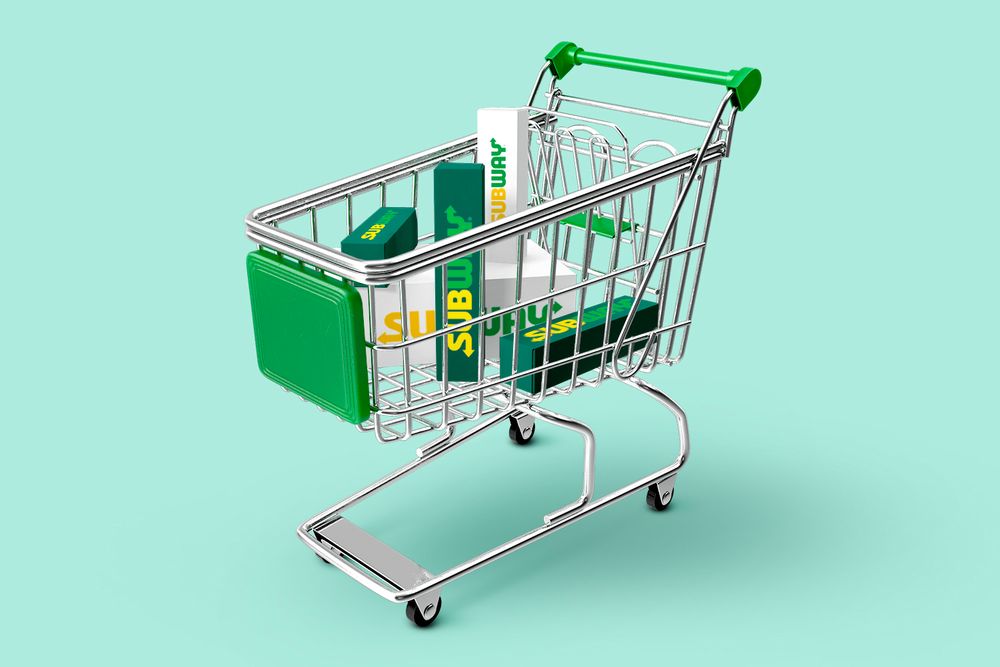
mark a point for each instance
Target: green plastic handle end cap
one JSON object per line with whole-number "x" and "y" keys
{"x": 561, "y": 58}
{"x": 745, "y": 84}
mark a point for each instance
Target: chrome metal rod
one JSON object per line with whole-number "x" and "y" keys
{"x": 589, "y": 449}
{"x": 436, "y": 582}
{"x": 506, "y": 379}
{"x": 527, "y": 538}
{"x": 379, "y": 272}
{"x": 696, "y": 165}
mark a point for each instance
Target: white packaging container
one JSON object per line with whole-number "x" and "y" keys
{"x": 502, "y": 147}
{"x": 500, "y": 283}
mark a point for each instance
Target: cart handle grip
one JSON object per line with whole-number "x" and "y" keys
{"x": 743, "y": 82}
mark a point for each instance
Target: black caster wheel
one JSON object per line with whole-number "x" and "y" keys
{"x": 516, "y": 435}
{"x": 422, "y": 618}
{"x": 655, "y": 501}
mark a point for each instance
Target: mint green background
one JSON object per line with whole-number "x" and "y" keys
{"x": 840, "y": 506}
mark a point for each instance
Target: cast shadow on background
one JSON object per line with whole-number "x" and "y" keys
{"x": 734, "y": 515}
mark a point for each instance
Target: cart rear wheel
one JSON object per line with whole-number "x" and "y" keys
{"x": 521, "y": 437}
{"x": 656, "y": 501}
{"x": 515, "y": 435}
{"x": 422, "y": 618}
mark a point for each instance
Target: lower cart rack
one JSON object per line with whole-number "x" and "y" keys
{"x": 385, "y": 571}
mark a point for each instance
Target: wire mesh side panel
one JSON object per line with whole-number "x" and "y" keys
{"x": 576, "y": 155}
{"x": 410, "y": 393}
{"x": 595, "y": 256}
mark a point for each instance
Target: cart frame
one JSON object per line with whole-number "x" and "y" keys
{"x": 496, "y": 400}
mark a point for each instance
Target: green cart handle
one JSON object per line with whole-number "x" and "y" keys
{"x": 743, "y": 82}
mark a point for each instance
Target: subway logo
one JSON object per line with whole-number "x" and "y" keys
{"x": 390, "y": 231}
{"x": 458, "y": 207}
{"x": 498, "y": 181}
{"x": 461, "y": 306}
{"x": 561, "y": 336}
{"x": 422, "y": 323}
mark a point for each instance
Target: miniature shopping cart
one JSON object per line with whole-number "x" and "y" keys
{"x": 621, "y": 197}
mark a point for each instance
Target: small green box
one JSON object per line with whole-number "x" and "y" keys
{"x": 458, "y": 206}
{"x": 562, "y": 335}
{"x": 309, "y": 333}
{"x": 390, "y": 231}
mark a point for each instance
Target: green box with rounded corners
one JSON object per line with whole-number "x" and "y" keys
{"x": 309, "y": 333}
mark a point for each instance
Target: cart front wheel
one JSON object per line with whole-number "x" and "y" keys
{"x": 656, "y": 500}
{"x": 422, "y": 617}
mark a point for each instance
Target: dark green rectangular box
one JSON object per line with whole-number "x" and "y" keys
{"x": 458, "y": 206}
{"x": 390, "y": 231}
{"x": 562, "y": 335}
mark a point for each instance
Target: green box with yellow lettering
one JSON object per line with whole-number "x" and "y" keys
{"x": 562, "y": 336}
{"x": 390, "y": 231}
{"x": 458, "y": 207}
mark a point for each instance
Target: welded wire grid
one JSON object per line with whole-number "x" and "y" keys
{"x": 569, "y": 152}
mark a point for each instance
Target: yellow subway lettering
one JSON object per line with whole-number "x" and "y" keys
{"x": 459, "y": 300}
{"x": 460, "y": 343}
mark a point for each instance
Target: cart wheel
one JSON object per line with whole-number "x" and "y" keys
{"x": 516, "y": 435}
{"x": 656, "y": 502}
{"x": 419, "y": 617}
{"x": 322, "y": 560}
